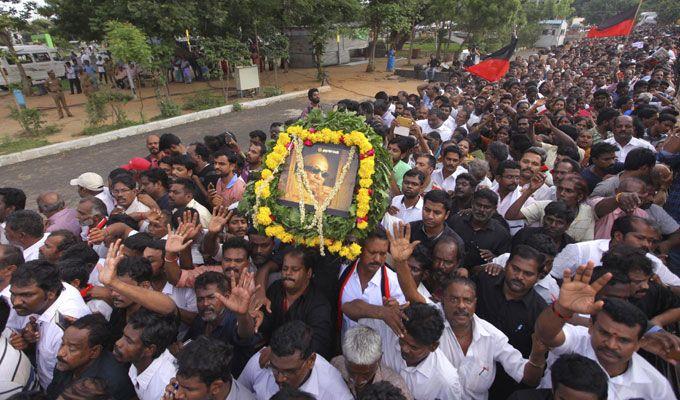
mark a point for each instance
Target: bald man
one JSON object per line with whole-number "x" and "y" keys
{"x": 152, "y": 145}
{"x": 623, "y": 138}
{"x": 52, "y": 206}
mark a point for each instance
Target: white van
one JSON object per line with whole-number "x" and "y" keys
{"x": 36, "y": 60}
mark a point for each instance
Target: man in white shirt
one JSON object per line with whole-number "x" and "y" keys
{"x": 290, "y": 361}
{"x": 435, "y": 122}
{"x": 91, "y": 184}
{"x": 37, "y": 291}
{"x": 408, "y": 206}
{"x": 144, "y": 345}
{"x": 415, "y": 353}
{"x": 124, "y": 191}
{"x": 365, "y": 282}
{"x": 509, "y": 190}
{"x": 613, "y": 339}
{"x": 623, "y": 138}
{"x": 631, "y": 230}
{"x": 445, "y": 178}
{"x": 26, "y": 230}
{"x": 204, "y": 372}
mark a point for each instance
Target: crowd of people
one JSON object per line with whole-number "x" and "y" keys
{"x": 530, "y": 251}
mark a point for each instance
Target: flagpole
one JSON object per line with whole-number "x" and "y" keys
{"x": 637, "y": 12}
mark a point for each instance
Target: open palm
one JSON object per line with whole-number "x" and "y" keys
{"x": 401, "y": 246}
{"x": 241, "y": 294}
{"x": 577, "y": 294}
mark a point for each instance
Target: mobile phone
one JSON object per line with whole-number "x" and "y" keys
{"x": 62, "y": 321}
{"x": 403, "y": 121}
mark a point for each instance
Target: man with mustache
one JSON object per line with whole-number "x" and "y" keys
{"x": 367, "y": 283}
{"x": 628, "y": 229}
{"x": 469, "y": 342}
{"x": 152, "y": 144}
{"x": 509, "y": 190}
{"x": 37, "y": 291}
{"x": 295, "y": 297}
{"x": 530, "y": 165}
{"x": 658, "y": 302}
{"x": 433, "y": 226}
{"x": 146, "y": 338}
{"x": 612, "y": 340}
{"x": 83, "y": 354}
{"x": 223, "y": 314}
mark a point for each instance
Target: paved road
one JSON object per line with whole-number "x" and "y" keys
{"x": 54, "y": 172}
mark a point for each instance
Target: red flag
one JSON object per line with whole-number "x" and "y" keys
{"x": 618, "y": 25}
{"x": 495, "y": 65}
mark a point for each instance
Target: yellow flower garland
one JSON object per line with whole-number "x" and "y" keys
{"x": 274, "y": 160}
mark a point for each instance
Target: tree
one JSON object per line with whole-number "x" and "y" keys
{"x": 385, "y": 15}
{"x": 534, "y": 12}
{"x": 130, "y": 45}
{"x": 275, "y": 47}
{"x": 668, "y": 10}
{"x": 489, "y": 23}
{"x": 596, "y": 11}
{"x": 322, "y": 19}
{"x": 228, "y": 49}
{"x": 12, "y": 19}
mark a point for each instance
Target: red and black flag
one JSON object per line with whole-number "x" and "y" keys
{"x": 495, "y": 65}
{"x": 618, "y": 25}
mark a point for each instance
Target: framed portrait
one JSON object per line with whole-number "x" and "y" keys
{"x": 323, "y": 164}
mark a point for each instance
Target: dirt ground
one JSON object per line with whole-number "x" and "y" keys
{"x": 347, "y": 82}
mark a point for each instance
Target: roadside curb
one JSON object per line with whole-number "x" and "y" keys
{"x": 56, "y": 148}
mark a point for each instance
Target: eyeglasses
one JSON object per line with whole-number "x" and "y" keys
{"x": 317, "y": 171}
{"x": 120, "y": 191}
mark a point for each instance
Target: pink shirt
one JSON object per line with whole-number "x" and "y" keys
{"x": 64, "y": 219}
{"x": 231, "y": 192}
{"x": 603, "y": 226}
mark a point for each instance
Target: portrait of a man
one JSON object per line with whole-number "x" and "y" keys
{"x": 322, "y": 167}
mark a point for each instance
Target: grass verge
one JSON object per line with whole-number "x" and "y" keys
{"x": 8, "y": 146}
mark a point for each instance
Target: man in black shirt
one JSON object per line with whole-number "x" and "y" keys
{"x": 155, "y": 183}
{"x": 436, "y": 209}
{"x": 83, "y": 354}
{"x": 462, "y": 194}
{"x": 558, "y": 216}
{"x": 512, "y": 305}
{"x": 485, "y": 237}
{"x": 223, "y": 320}
{"x": 200, "y": 155}
{"x": 295, "y": 297}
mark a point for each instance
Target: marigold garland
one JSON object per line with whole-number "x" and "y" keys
{"x": 263, "y": 204}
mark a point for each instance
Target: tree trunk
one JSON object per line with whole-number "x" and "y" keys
{"x": 371, "y": 50}
{"x": 276, "y": 74}
{"x": 131, "y": 80}
{"x": 410, "y": 45}
{"x": 25, "y": 83}
{"x": 438, "y": 41}
{"x": 141, "y": 99}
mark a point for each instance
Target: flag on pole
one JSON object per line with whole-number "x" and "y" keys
{"x": 619, "y": 25}
{"x": 495, "y": 65}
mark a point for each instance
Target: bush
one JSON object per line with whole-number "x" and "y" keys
{"x": 236, "y": 107}
{"x": 96, "y": 130}
{"x": 97, "y": 103}
{"x": 30, "y": 119}
{"x": 271, "y": 91}
{"x": 203, "y": 100}
{"x": 168, "y": 108}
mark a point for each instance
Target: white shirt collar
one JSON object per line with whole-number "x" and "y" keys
{"x": 142, "y": 380}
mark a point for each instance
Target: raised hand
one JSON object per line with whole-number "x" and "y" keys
{"x": 178, "y": 240}
{"x": 240, "y": 294}
{"x": 107, "y": 272}
{"x": 536, "y": 182}
{"x": 220, "y": 217}
{"x": 577, "y": 294}
{"x": 401, "y": 246}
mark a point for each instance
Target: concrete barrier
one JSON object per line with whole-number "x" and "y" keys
{"x": 56, "y": 148}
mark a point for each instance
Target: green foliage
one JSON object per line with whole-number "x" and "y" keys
{"x": 275, "y": 46}
{"x": 383, "y": 16}
{"x": 489, "y": 23}
{"x": 533, "y": 12}
{"x": 271, "y": 91}
{"x": 225, "y": 48}
{"x": 98, "y": 103}
{"x": 127, "y": 43}
{"x": 335, "y": 227}
{"x": 596, "y": 11}
{"x": 30, "y": 119}
{"x": 236, "y": 107}
{"x": 169, "y": 108}
{"x": 96, "y": 130}
{"x": 203, "y": 100}
{"x": 8, "y": 145}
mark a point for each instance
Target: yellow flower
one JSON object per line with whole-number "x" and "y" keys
{"x": 266, "y": 174}
{"x": 265, "y": 193}
{"x": 280, "y": 150}
{"x": 355, "y": 249}
{"x": 284, "y": 139}
{"x": 264, "y": 216}
{"x": 365, "y": 182}
{"x": 362, "y": 225}
{"x": 335, "y": 247}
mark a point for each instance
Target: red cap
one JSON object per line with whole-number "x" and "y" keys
{"x": 137, "y": 164}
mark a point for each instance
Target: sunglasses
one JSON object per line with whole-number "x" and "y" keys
{"x": 317, "y": 171}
